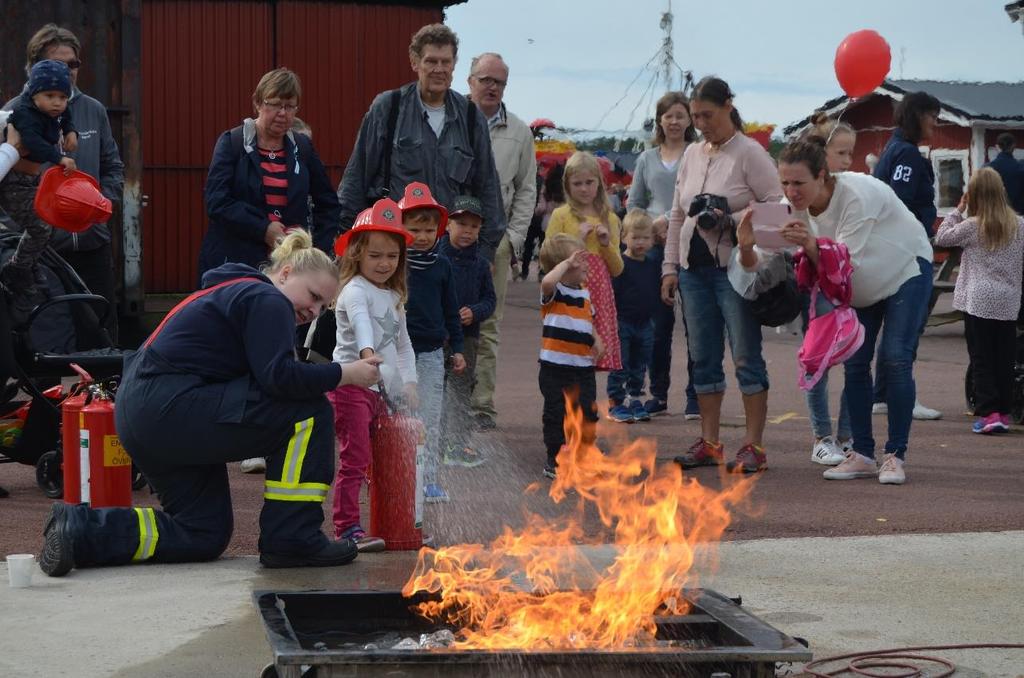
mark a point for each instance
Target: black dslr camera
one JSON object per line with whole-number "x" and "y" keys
{"x": 703, "y": 207}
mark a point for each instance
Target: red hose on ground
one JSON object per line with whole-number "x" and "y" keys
{"x": 882, "y": 659}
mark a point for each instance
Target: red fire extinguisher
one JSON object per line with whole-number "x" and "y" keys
{"x": 396, "y": 481}
{"x": 97, "y": 469}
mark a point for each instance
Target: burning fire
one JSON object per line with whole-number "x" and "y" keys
{"x": 535, "y": 589}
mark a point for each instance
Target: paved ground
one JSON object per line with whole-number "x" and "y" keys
{"x": 882, "y": 588}
{"x": 958, "y": 482}
{"x": 841, "y": 594}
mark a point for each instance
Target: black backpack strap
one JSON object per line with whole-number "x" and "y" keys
{"x": 394, "y": 102}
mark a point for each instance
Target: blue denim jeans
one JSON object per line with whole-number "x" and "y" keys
{"x": 430, "y": 389}
{"x": 818, "y": 410}
{"x": 899, "y": 319}
{"x": 713, "y": 311}
{"x": 636, "y": 342}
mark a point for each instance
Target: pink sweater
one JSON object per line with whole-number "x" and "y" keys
{"x": 740, "y": 170}
{"x": 988, "y": 285}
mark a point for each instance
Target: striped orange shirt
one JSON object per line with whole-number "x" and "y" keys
{"x": 568, "y": 321}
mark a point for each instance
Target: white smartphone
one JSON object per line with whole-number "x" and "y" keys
{"x": 768, "y": 219}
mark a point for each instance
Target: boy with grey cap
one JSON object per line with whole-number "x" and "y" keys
{"x": 474, "y": 288}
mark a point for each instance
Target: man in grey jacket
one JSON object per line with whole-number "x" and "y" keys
{"x": 516, "y": 163}
{"x": 431, "y": 134}
{"x": 88, "y": 252}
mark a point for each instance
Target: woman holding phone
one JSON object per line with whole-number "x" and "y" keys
{"x": 892, "y": 281}
{"x": 717, "y": 179}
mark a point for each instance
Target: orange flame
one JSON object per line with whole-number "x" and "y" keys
{"x": 536, "y": 589}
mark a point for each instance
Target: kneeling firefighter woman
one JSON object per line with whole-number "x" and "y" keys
{"x": 216, "y": 382}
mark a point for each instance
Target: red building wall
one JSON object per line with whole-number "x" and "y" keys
{"x": 873, "y": 122}
{"x": 201, "y": 60}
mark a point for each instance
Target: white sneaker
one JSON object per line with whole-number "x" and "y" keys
{"x": 879, "y": 408}
{"x": 826, "y": 452}
{"x": 891, "y": 472}
{"x": 925, "y": 413}
{"x": 854, "y": 466}
{"x": 254, "y": 465}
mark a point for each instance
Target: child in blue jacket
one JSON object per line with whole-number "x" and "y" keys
{"x": 474, "y": 289}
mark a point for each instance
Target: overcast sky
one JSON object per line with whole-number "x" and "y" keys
{"x": 571, "y": 60}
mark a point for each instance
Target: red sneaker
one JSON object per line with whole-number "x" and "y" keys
{"x": 750, "y": 459}
{"x": 702, "y": 453}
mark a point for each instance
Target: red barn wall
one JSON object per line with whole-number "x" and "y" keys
{"x": 201, "y": 60}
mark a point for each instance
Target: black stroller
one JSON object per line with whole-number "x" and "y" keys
{"x": 68, "y": 327}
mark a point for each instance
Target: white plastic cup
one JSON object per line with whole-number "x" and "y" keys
{"x": 20, "y": 567}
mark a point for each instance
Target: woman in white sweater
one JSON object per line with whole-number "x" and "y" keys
{"x": 892, "y": 282}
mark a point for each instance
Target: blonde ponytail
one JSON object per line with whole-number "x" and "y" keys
{"x": 296, "y": 250}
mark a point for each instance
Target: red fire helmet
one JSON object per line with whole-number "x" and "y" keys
{"x": 417, "y": 194}
{"x": 385, "y": 217}
{"x": 73, "y": 203}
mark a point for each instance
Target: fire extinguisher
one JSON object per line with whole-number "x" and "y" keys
{"x": 396, "y": 481}
{"x": 104, "y": 469}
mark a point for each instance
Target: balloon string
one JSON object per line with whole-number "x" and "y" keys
{"x": 839, "y": 118}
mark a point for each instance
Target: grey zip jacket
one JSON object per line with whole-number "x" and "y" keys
{"x": 448, "y": 165}
{"x": 97, "y": 156}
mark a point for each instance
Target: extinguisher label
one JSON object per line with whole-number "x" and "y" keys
{"x": 83, "y": 464}
{"x": 421, "y": 456}
{"x": 113, "y": 453}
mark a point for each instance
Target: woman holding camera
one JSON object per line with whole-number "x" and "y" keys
{"x": 717, "y": 179}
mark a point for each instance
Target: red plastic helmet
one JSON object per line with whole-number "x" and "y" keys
{"x": 417, "y": 194}
{"x": 73, "y": 203}
{"x": 384, "y": 217}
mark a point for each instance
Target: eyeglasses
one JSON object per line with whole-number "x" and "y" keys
{"x": 278, "y": 107}
{"x": 488, "y": 81}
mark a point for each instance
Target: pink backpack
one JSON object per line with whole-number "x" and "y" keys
{"x": 830, "y": 339}
{"x": 833, "y": 337}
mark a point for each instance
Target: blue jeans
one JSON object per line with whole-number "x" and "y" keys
{"x": 713, "y": 310}
{"x": 636, "y": 341}
{"x": 430, "y": 388}
{"x": 821, "y": 418}
{"x": 902, "y": 316}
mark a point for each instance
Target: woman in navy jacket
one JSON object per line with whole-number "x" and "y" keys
{"x": 261, "y": 179}
{"x": 902, "y": 165}
{"x": 911, "y": 176}
{"x": 218, "y": 381}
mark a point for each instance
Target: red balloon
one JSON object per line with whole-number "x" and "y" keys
{"x": 862, "y": 62}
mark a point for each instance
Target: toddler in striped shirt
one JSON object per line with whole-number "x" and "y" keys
{"x": 569, "y": 346}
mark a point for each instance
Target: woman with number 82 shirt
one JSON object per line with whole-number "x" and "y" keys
{"x": 902, "y": 165}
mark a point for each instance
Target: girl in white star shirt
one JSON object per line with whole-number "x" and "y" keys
{"x": 371, "y": 321}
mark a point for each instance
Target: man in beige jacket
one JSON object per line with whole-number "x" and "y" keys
{"x": 512, "y": 144}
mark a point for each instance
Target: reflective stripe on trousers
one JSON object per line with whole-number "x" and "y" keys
{"x": 289, "y": 488}
{"x": 148, "y": 534}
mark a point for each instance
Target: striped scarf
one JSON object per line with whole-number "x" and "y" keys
{"x": 421, "y": 260}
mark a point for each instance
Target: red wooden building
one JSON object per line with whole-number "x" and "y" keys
{"x": 175, "y": 74}
{"x": 973, "y": 114}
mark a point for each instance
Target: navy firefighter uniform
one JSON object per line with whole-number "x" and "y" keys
{"x": 217, "y": 382}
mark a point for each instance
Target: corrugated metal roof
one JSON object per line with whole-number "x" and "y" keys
{"x": 987, "y": 100}
{"x": 997, "y": 101}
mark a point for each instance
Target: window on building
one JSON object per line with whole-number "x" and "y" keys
{"x": 950, "y": 177}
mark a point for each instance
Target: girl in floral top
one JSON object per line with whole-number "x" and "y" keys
{"x": 988, "y": 291}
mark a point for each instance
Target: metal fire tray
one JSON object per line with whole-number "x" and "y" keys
{"x": 324, "y": 634}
